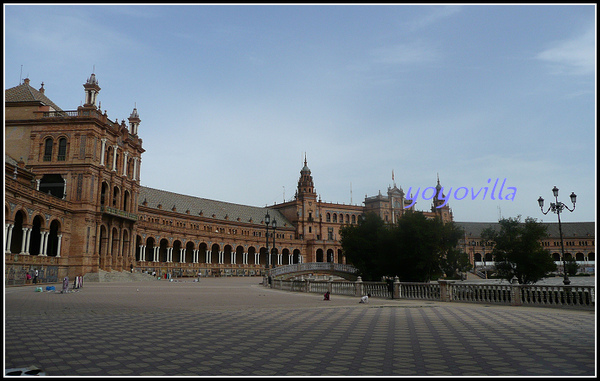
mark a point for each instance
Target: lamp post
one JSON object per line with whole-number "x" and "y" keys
{"x": 557, "y": 207}
{"x": 483, "y": 258}
{"x": 267, "y": 256}
{"x": 274, "y": 224}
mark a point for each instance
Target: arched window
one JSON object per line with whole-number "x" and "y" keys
{"x": 62, "y": 149}
{"x": 48, "y": 149}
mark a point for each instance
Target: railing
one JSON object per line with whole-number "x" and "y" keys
{"x": 313, "y": 266}
{"x": 579, "y": 297}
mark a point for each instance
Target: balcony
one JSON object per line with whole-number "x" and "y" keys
{"x": 119, "y": 213}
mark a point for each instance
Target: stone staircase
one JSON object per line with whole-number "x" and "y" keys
{"x": 117, "y": 276}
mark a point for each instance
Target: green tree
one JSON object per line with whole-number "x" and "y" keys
{"x": 454, "y": 263}
{"x": 362, "y": 244}
{"x": 412, "y": 249}
{"x": 571, "y": 266}
{"x": 518, "y": 251}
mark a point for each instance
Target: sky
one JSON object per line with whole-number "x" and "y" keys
{"x": 233, "y": 98}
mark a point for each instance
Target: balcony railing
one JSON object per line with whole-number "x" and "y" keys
{"x": 119, "y": 213}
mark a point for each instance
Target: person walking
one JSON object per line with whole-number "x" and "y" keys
{"x": 35, "y": 276}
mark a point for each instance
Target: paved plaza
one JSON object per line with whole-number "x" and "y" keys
{"x": 236, "y": 327}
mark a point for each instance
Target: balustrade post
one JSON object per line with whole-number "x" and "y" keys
{"x": 330, "y": 284}
{"x": 445, "y": 290}
{"x": 358, "y": 287}
{"x": 396, "y": 291}
{"x": 515, "y": 292}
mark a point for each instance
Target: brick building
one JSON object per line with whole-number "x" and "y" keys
{"x": 74, "y": 204}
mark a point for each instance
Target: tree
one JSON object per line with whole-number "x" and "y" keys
{"x": 412, "y": 249}
{"x": 571, "y": 266}
{"x": 454, "y": 263}
{"x": 518, "y": 251}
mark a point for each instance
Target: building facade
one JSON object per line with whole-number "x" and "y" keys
{"x": 74, "y": 204}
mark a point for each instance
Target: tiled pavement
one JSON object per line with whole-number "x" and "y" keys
{"x": 235, "y": 327}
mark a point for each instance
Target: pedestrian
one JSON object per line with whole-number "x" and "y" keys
{"x": 35, "y": 276}
{"x": 390, "y": 286}
{"x": 199, "y": 274}
{"x": 365, "y": 299}
{"x": 131, "y": 267}
{"x": 326, "y": 296}
{"x": 27, "y": 277}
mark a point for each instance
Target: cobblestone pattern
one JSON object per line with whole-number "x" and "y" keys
{"x": 216, "y": 328}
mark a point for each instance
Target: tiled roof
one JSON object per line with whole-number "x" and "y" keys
{"x": 569, "y": 229}
{"x": 25, "y": 93}
{"x": 222, "y": 211}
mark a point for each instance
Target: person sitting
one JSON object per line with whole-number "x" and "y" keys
{"x": 326, "y": 296}
{"x": 365, "y": 299}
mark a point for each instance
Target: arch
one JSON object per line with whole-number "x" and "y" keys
{"x": 579, "y": 257}
{"x": 287, "y": 260}
{"x": 556, "y": 257}
{"x": 568, "y": 256}
{"x": 150, "y": 245}
{"x": 103, "y": 193}
{"x": 202, "y": 249}
{"x": 35, "y": 239}
{"x": 214, "y": 252}
{"x": 62, "y": 149}
{"x": 176, "y": 251}
{"x": 239, "y": 254}
{"x": 163, "y": 250}
{"x": 48, "y": 143}
{"x": 340, "y": 256}
{"x": 251, "y": 255}
{"x": 103, "y": 246}
{"x": 116, "y": 194}
{"x": 125, "y": 246}
{"x": 53, "y": 184}
{"x": 188, "y": 254}
{"x": 114, "y": 247}
{"x": 17, "y": 232}
{"x": 138, "y": 249}
{"x": 296, "y": 257}
{"x": 227, "y": 254}
{"x": 126, "y": 200}
{"x": 319, "y": 257}
{"x": 330, "y": 256}
{"x": 477, "y": 257}
{"x": 52, "y": 248}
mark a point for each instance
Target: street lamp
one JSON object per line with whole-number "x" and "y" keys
{"x": 274, "y": 223}
{"x": 557, "y": 207}
{"x": 267, "y": 256}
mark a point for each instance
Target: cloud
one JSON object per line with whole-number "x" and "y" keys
{"x": 404, "y": 54}
{"x": 574, "y": 56}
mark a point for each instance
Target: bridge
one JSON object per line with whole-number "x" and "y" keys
{"x": 348, "y": 272}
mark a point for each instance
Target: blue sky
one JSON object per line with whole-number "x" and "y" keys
{"x": 232, "y": 97}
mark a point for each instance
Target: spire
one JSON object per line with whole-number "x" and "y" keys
{"x": 134, "y": 121}
{"x": 91, "y": 91}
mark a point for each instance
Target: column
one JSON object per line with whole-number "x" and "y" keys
{"x": 58, "y": 246}
{"x": 103, "y": 149}
{"x": 233, "y": 257}
{"x": 155, "y": 259}
{"x": 114, "y": 165}
{"x": 43, "y": 243}
{"x": 24, "y": 240}
{"x": 208, "y": 255}
{"x": 135, "y": 168}
{"x": 8, "y": 231}
{"x": 181, "y": 255}
{"x": 126, "y": 154}
{"x": 195, "y": 256}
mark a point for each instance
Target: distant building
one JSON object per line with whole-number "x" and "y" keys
{"x": 74, "y": 204}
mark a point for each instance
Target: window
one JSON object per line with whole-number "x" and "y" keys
{"x": 48, "y": 149}
{"x": 62, "y": 149}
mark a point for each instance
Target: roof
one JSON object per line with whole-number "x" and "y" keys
{"x": 25, "y": 93}
{"x": 569, "y": 229}
{"x": 222, "y": 211}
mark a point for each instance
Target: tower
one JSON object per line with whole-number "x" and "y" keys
{"x": 134, "y": 122}
{"x": 91, "y": 91}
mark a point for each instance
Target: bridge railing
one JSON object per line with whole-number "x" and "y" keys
{"x": 579, "y": 297}
{"x": 313, "y": 266}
